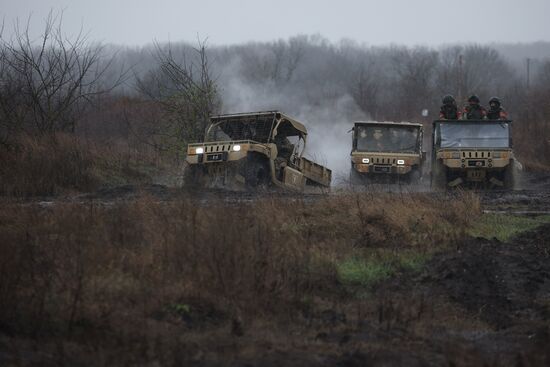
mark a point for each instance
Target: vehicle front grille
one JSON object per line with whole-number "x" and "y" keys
{"x": 476, "y": 154}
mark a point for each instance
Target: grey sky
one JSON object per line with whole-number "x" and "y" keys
{"x": 426, "y": 22}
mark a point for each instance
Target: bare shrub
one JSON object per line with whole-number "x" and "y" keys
{"x": 47, "y": 83}
{"x": 61, "y": 163}
{"x": 45, "y": 165}
{"x": 70, "y": 264}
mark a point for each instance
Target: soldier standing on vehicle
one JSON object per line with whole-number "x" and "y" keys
{"x": 449, "y": 110}
{"x": 496, "y": 112}
{"x": 474, "y": 111}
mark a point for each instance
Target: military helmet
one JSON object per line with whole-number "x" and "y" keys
{"x": 494, "y": 100}
{"x": 448, "y": 99}
{"x": 473, "y": 98}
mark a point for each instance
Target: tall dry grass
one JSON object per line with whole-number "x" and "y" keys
{"x": 44, "y": 165}
{"x": 54, "y": 164}
{"x": 93, "y": 266}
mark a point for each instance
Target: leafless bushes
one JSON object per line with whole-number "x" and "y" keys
{"x": 58, "y": 163}
{"x": 72, "y": 265}
{"x": 532, "y": 130}
{"x": 46, "y": 84}
{"x": 44, "y": 166}
{"x": 187, "y": 93}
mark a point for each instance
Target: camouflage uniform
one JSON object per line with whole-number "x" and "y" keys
{"x": 474, "y": 111}
{"x": 495, "y": 111}
{"x": 284, "y": 146}
{"x": 448, "y": 110}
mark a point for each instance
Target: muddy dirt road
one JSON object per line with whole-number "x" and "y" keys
{"x": 533, "y": 196}
{"x": 485, "y": 304}
{"x": 482, "y": 303}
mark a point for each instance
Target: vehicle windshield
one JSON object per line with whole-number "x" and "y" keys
{"x": 257, "y": 129}
{"x": 379, "y": 138}
{"x": 474, "y": 135}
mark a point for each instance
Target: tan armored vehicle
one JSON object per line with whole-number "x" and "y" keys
{"x": 250, "y": 150}
{"x": 473, "y": 153}
{"x": 387, "y": 152}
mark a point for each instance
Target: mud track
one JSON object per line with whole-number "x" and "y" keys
{"x": 532, "y": 199}
{"x": 485, "y": 304}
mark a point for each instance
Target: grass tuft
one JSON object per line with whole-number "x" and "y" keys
{"x": 505, "y": 226}
{"x": 356, "y": 271}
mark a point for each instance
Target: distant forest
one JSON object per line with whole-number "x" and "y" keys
{"x": 162, "y": 94}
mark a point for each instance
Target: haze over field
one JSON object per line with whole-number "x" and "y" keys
{"x": 129, "y": 235}
{"x": 426, "y": 22}
{"x": 325, "y": 64}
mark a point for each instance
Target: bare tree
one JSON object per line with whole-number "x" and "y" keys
{"x": 366, "y": 88}
{"x": 414, "y": 70}
{"x": 48, "y": 83}
{"x": 473, "y": 69}
{"x": 187, "y": 92}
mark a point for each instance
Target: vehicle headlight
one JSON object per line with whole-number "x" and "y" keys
{"x": 455, "y": 155}
{"x": 400, "y": 162}
{"x": 496, "y": 155}
{"x": 199, "y": 150}
{"x": 365, "y": 160}
{"x": 236, "y": 148}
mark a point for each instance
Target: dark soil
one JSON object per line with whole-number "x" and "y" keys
{"x": 485, "y": 303}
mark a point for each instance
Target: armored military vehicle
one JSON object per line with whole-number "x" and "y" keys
{"x": 252, "y": 150}
{"x": 387, "y": 152}
{"x": 473, "y": 153}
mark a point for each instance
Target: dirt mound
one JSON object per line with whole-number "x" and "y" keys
{"x": 503, "y": 283}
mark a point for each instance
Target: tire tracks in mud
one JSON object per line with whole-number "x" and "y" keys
{"x": 486, "y": 303}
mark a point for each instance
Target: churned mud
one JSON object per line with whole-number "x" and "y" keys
{"x": 481, "y": 303}
{"x": 486, "y": 303}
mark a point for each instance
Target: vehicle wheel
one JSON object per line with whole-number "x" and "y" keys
{"x": 192, "y": 176}
{"x": 510, "y": 173}
{"x": 415, "y": 176}
{"x": 439, "y": 176}
{"x": 355, "y": 178}
{"x": 257, "y": 172}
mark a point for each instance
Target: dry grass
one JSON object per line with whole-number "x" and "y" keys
{"x": 92, "y": 266}
{"x": 51, "y": 165}
{"x": 42, "y": 166}
{"x": 531, "y": 132}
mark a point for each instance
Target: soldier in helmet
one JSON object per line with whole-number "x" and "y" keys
{"x": 448, "y": 110}
{"x": 378, "y": 140}
{"x": 495, "y": 111}
{"x": 474, "y": 111}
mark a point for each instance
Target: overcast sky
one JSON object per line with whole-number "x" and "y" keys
{"x": 410, "y": 22}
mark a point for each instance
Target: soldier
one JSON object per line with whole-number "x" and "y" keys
{"x": 474, "y": 111}
{"x": 496, "y": 112}
{"x": 448, "y": 110}
{"x": 284, "y": 147}
{"x": 378, "y": 142}
{"x": 284, "y": 154}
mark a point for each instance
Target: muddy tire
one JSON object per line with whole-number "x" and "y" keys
{"x": 257, "y": 172}
{"x": 439, "y": 176}
{"x": 355, "y": 178}
{"x": 192, "y": 176}
{"x": 415, "y": 176}
{"x": 510, "y": 176}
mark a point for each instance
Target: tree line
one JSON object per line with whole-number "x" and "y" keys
{"x": 162, "y": 94}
